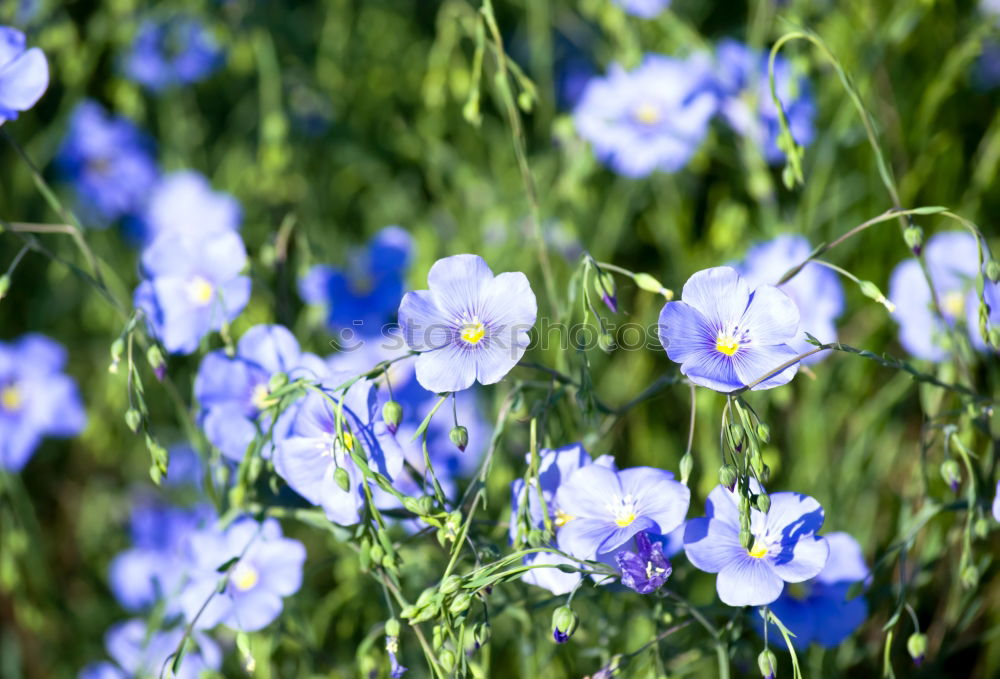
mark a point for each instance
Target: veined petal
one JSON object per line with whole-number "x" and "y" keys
{"x": 808, "y": 557}
{"x": 846, "y": 562}
{"x": 508, "y": 302}
{"x": 498, "y": 353}
{"x": 270, "y": 346}
{"x": 756, "y": 361}
{"x": 747, "y": 581}
{"x": 710, "y": 545}
{"x": 24, "y": 80}
{"x": 425, "y": 326}
{"x": 588, "y": 491}
{"x": 582, "y": 537}
{"x": 712, "y": 369}
{"x": 771, "y": 317}
{"x": 450, "y": 368}
{"x": 719, "y": 293}
{"x": 458, "y": 284}
{"x": 684, "y": 331}
{"x": 793, "y": 516}
{"x": 657, "y": 496}
{"x": 721, "y": 506}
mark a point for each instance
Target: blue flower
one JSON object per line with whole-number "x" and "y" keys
{"x": 647, "y": 9}
{"x": 268, "y": 567}
{"x": 314, "y": 450}
{"x": 785, "y": 546}
{"x": 193, "y": 286}
{"x": 646, "y": 569}
{"x": 599, "y": 509}
{"x": 141, "y": 652}
{"x": 815, "y": 289}
{"x": 24, "y": 74}
{"x": 368, "y": 290}
{"x": 652, "y": 118}
{"x": 819, "y": 610}
{"x": 746, "y": 101}
{"x": 168, "y": 54}
{"x": 36, "y": 398}
{"x": 234, "y": 391}
{"x": 109, "y": 162}
{"x": 470, "y": 325}
{"x": 184, "y": 203}
{"x": 726, "y": 335}
{"x": 996, "y": 503}
{"x": 953, "y": 261}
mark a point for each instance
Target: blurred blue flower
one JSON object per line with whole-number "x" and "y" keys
{"x": 818, "y": 610}
{"x": 171, "y": 53}
{"x": 184, "y": 203}
{"x": 599, "y": 508}
{"x": 746, "y": 102}
{"x": 36, "y": 398}
{"x": 368, "y": 290}
{"x": 953, "y": 261}
{"x": 268, "y": 567}
{"x": 646, "y": 569}
{"x": 647, "y": 9}
{"x": 232, "y": 392}
{"x": 815, "y": 289}
{"x": 726, "y": 335}
{"x": 24, "y": 74}
{"x": 141, "y": 652}
{"x": 785, "y": 546}
{"x": 193, "y": 286}
{"x": 652, "y": 118}
{"x": 155, "y": 567}
{"x": 314, "y": 451}
{"x": 470, "y": 325}
{"x": 109, "y": 162}
{"x": 996, "y": 503}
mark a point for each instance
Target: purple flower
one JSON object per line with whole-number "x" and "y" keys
{"x": 815, "y": 289}
{"x": 109, "y": 162}
{"x": 313, "y": 453}
{"x": 234, "y": 391}
{"x": 646, "y": 569}
{"x": 193, "y": 286}
{"x": 24, "y": 74}
{"x": 785, "y": 546}
{"x": 269, "y": 567}
{"x": 184, "y": 203}
{"x": 953, "y": 260}
{"x": 366, "y": 293}
{"x": 172, "y": 53}
{"x": 819, "y": 610}
{"x": 746, "y": 101}
{"x": 469, "y": 326}
{"x": 726, "y": 335}
{"x": 392, "y": 648}
{"x": 652, "y": 118}
{"x": 141, "y": 652}
{"x": 646, "y": 9}
{"x": 36, "y": 398}
{"x": 599, "y": 509}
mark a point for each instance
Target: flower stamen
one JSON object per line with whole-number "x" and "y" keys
{"x": 473, "y": 331}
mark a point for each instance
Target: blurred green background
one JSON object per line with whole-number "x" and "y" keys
{"x": 338, "y": 118}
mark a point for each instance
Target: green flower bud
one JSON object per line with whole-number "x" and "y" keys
{"x": 647, "y": 283}
{"x": 460, "y": 604}
{"x": 916, "y": 646}
{"x": 376, "y": 552}
{"x": 392, "y": 627}
{"x": 155, "y": 359}
{"x": 746, "y": 538}
{"x": 687, "y": 463}
{"x": 277, "y": 381}
{"x": 425, "y": 598}
{"x": 482, "y": 633}
{"x": 4, "y": 285}
{"x": 446, "y": 658}
{"x": 392, "y": 414}
{"x": 763, "y": 502}
{"x": 994, "y": 336}
{"x": 981, "y": 528}
{"x": 460, "y": 437}
{"x": 970, "y": 576}
{"x": 767, "y": 664}
{"x": 763, "y": 432}
{"x": 564, "y": 622}
{"x": 951, "y": 473}
{"x": 412, "y": 504}
{"x": 728, "y": 475}
{"x": 869, "y": 289}
{"x": 450, "y": 584}
{"x": 342, "y": 478}
{"x": 408, "y": 612}
{"x": 764, "y": 473}
{"x": 914, "y": 237}
{"x": 605, "y": 342}
{"x": 133, "y": 419}
{"x": 604, "y": 285}
{"x": 117, "y": 349}
{"x": 993, "y": 270}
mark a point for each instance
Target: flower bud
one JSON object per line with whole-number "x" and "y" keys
{"x": 763, "y": 502}
{"x": 951, "y": 474}
{"x": 277, "y": 381}
{"x": 970, "y": 576}
{"x": 981, "y": 528}
{"x": 686, "y": 465}
{"x": 604, "y": 283}
{"x": 728, "y": 476}
{"x": 916, "y": 645}
{"x": 392, "y": 627}
{"x": 765, "y": 473}
{"x": 156, "y": 361}
{"x": 763, "y": 432}
{"x": 746, "y": 538}
{"x": 450, "y": 584}
{"x": 133, "y": 419}
{"x": 564, "y": 622}
{"x": 994, "y": 336}
{"x": 605, "y": 342}
{"x": 767, "y": 664}
{"x": 482, "y": 633}
{"x": 992, "y": 270}
{"x": 425, "y": 598}
{"x": 376, "y": 552}
{"x": 117, "y": 349}
{"x": 914, "y": 237}
{"x": 460, "y": 604}
{"x": 342, "y": 478}
{"x": 869, "y": 289}
{"x": 647, "y": 283}
{"x": 460, "y": 437}
{"x": 392, "y": 414}
{"x": 4, "y": 285}
{"x": 446, "y": 658}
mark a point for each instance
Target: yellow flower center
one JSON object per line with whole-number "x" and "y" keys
{"x": 758, "y": 550}
{"x": 562, "y": 518}
{"x": 473, "y": 331}
{"x": 200, "y": 291}
{"x": 622, "y": 510}
{"x": 647, "y": 113}
{"x": 953, "y": 304}
{"x": 245, "y": 576}
{"x": 727, "y": 344}
{"x": 259, "y": 398}
{"x": 10, "y": 398}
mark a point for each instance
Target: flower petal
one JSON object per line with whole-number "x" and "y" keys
{"x": 684, "y": 331}
{"x": 756, "y": 361}
{"x": 747, "y": 581}
{"x": 450, "y": 368}
{"x": 711, "y": 545}
{"x": 792, "y": 516}
{"x": 771, "y": 317}
{"x": 712, "y": 369}
{"x": 458, "y": 283}
{"x": 587, "y": 492}
{"x": 657, "y": 496}
{"x": 425, "y": 325}
{"x": 719, "y": 293}
{"x": 846, "y": 562}
{"x": 582, "y": 537}
{"x": 270, "y": 346}
{"x": 807, "y": 558}
{"x": 24, "y": 80}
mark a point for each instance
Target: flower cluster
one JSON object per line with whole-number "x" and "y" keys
{"x": 171, "y": 53}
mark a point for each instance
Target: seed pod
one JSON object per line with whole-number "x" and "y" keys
{"x": 392, "y": 414}
{"x": 342, "y": 478}
{"x": 916, "y": 646}
{"x": 460, "y": 604}
{"x": 767, "y": 664}
{"x": 460, "y": 437}
{"x": 450, "y": 584}
{"x": 564, "y": 622}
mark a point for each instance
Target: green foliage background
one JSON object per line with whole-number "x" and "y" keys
{"x": 404, "y": 145}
